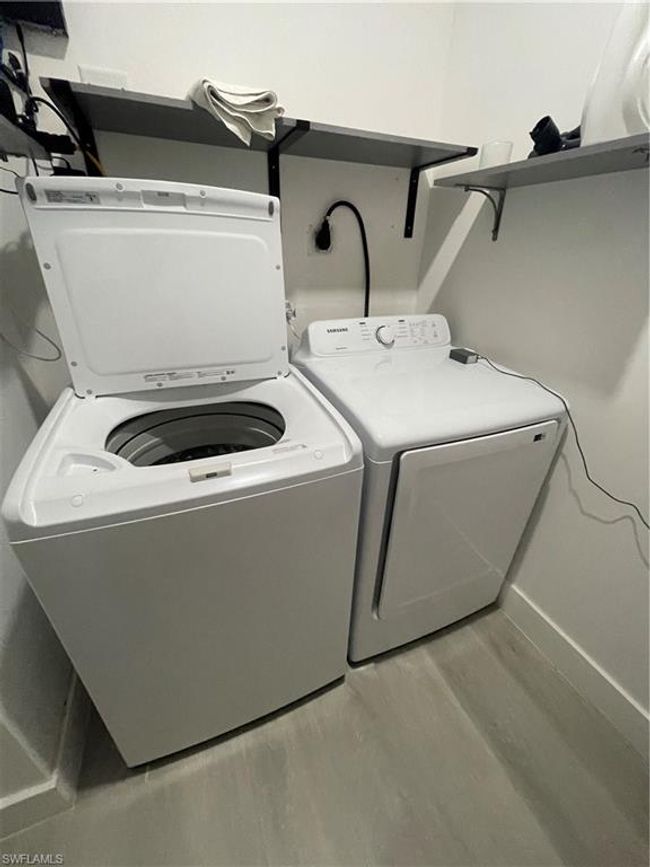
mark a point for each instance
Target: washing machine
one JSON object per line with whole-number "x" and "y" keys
{"x": 187, "y": 513}
{"x": 455, "y": 457}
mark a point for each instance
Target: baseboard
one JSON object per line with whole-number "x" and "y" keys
{"x": 58, "y": 791}
{"x": 582, "y": 672}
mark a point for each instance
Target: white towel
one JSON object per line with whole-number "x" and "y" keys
{"x": 244, "y": 110}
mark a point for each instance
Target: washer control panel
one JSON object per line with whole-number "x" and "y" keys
{"x": 374, "y": 334}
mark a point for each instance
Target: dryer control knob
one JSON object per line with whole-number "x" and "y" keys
{"x": 385, "y": 335}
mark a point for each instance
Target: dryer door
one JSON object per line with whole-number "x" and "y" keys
{"x": 458, "y": 515}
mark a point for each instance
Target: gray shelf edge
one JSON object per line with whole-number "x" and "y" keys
{"x": 328, "y": 142}
{"x": 460, "y": 151}
{"x": 81, "y": 90}
{"x": 529, "y": 172}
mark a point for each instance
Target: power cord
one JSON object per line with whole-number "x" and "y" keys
{"x": 15, "y": 174}
{"x": 13, "y": 72}
{"x": 29, "y": 111}
{"x": 323, "y": 240}
{"x": 32, "y": 102}
{"x": 57, "y": 350}
{"x": 73, "y": 133}
{"x": 577, "y": 438}
{"x": 3, "y": 338}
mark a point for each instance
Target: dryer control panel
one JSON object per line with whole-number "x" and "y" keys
{"x": 374, "y": 334}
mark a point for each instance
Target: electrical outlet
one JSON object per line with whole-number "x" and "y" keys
{"x": 312, "y": 249}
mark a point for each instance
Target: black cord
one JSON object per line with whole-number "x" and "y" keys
{"x": 323, "y": 242}
{"x": 71, "y": 130}
{"x": 30, "y": 107}
{"x": 21, "y": 39}
{"x": 11, "y": 171}
{"x": 575, "y": 433}
{"x": 62, "y": 117}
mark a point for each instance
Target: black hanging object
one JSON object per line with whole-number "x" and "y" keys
{"x": 549, "y": 140}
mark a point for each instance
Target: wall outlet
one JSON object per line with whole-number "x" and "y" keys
{"x": 312, "y": 249}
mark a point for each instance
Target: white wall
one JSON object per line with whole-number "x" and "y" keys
{"x": 562, "y": 295}
{"x": 364, "y": 66}
{"x": 35, "y": 674}
{"x": 370, "y": 66}
{"x": 348, "y": 64}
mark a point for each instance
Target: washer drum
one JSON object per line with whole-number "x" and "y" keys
{"x": 195, "y": 432}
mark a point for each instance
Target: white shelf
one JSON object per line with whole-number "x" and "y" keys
{"x": 619, "y": 155}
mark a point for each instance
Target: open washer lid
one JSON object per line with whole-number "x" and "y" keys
{"x": 157, "y": 283}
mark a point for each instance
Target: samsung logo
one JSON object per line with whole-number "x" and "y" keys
{"x": 335, "y": 330}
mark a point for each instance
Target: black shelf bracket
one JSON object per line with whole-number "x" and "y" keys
{"x": 414, "y": 182}
{"x": 273, "y": 156}
{"x": 496, "y": 196}
{"x": 168, "y": 118}
{"x": 411, "y": 201}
